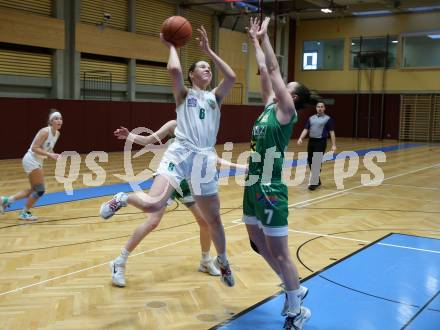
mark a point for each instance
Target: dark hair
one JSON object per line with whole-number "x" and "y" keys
{"x": 191, "y": 69}
{"x": 306, "y": 98}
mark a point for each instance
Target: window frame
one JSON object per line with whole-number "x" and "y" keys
{"x": 402, "y": 49}
{"x": 322, "y": 69}
{"x": 391, "y": 37}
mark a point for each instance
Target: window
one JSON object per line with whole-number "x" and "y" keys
{"x": 421, "y": 50}
{"x": 323, "y": 55}
{"x": 374, "y": 52}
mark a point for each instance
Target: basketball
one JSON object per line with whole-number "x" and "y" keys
{"x": 177, "y": 30}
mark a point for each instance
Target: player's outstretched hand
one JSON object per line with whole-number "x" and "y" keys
{"x": 254, "y": 27}
{"x": 166, "y": 43}
{"x": 54, "y": 156}
{"x": 203, "y": 40}
{"x": 121, "y": 133}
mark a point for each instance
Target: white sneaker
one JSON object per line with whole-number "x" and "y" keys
{"x": 302, "y": 295}
{"x": 226, "y": 273}
{"x": 108, "y": 209}
{"x": 297, "y": 321}
{"x": 26, "y": 215}
{"x": 118, "y": 274}
{"x": 209, "y": 267}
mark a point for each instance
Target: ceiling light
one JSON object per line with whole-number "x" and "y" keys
{"x": 422, "y": 9}
{"x": 395, "y": 41}
{"x": 371, "y": 13}
{"x": 326, "y": 10}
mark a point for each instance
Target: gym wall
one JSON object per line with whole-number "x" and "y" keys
{"x": 397, "y": 80}
{"x": 89, "y": 125}
{"x": 348, "y": 87}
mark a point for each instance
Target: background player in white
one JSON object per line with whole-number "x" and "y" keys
{"x": 192, "y": 153}
{"x": 41, "y": 148}
{"x": 207, "y": 265}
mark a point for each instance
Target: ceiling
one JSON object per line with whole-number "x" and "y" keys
{"x": 232, "y": 11}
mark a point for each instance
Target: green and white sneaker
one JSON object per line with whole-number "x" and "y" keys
{"x": 26, "y": 215}
{"x": 4, "y": 203}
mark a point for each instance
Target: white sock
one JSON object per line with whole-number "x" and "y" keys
{"x": 294, "y": 302}
{"x": 122, "y": 259}
{"x": 297, "y": 291}
{"x": 123, "y": 199}
{"x": 205, "y": 256}
{"x": 223, "y": 259}
{"x": 11, "y": 199}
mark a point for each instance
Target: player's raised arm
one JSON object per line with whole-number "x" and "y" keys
{"x": 266, "y": 85}
{"x": 284, "y": 98}
{"x": 228, "y": 74}
{"x": 175, "y": 70}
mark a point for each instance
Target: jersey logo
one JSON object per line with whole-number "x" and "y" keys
{"x": 259, "y": 131}
{"x": 171, "y": 167}
{"x": 267, "y": 200}
{"x": 192, "y": 102}
{"x": 211, "y": 103}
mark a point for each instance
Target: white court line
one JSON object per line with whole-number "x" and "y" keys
{"x": 363, "y": 241}
{"x": 409, "y": 248}
{"x": 327, "y": 235}
{"x": 361, "y": 185}
{"x": 320, "y": 198}
{"x": 99, "y": 265}
{"x": 410, "y": 186}
{"x": 319, "y": 201}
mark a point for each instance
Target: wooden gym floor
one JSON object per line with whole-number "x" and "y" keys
{"x": 54, "y": 272}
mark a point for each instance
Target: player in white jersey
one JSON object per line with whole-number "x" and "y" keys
{"x": 118, "y": 265}
{"x": 41, "y": 148}
{"x": 192, "y": 155}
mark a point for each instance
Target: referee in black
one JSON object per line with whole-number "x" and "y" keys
{"x": 319, "y": 127}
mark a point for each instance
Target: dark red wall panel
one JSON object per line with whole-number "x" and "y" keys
{"x": 236, "y": 123}
{"x": 391, "y": 115}
{"x": 342, "y": 112}
{"x": 89, "y": 125}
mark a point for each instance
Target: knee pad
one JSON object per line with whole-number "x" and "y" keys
{"x": 254, "y": 247}
{"x": 38, "y": 190}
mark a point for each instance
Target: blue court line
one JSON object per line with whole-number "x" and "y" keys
{"x": 108, "y": 190}
{"x": 376, "y": 288}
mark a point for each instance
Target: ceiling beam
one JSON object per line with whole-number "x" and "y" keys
{"x": 319, "y": 3}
